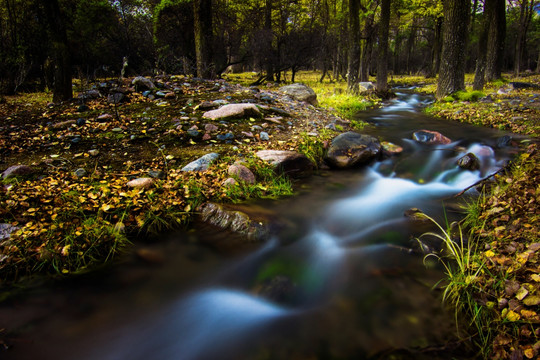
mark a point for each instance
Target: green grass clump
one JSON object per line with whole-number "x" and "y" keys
{"x": 313, "y": 148}
{"x": 465, "y": 96}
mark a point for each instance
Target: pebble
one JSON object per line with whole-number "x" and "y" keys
{"x": 93, "y": 152}
{"x": 80, "y": 172}
{"x": 264, "y": 136}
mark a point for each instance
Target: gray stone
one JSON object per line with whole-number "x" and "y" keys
{"x": 116, "y": 98}
{"x": 142, "y": 83}
{"x": 81, "y": 122}
{"x": 264, "y": 136}
{"x": 227, "y": 136}
{"x": 229, "y": 182}
{"x": 233, "y": 111}
{"x": 366, "y": 86}
{"x": 286, "y": 162}
{"x": 300, "y": 92}
{"x": 104, "y": 118}
{"x": 242, "y": 173}
{"x": 17, "y": 170}
{"x": 6, "y": 230}
{"x": 193, "y": 133}
{"x": 391, "y": 149}
{"x": 93, "y": 152}
{"x": 504, "y": 141}
{"x": 64, "y": 124}
{"x": 201, "y": 164}
{"x": 210, "y": 128}
{"x": 351, "y": 149}
{"x": 157, "y": 174}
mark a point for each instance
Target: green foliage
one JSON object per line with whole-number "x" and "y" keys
{"x": 465, "y": 96}
{"x": 313, "y": 148}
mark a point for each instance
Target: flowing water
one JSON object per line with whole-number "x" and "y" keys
{"x": 343, "y": 280}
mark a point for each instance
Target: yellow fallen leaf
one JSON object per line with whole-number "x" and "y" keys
{"x": 65, "y": 250}
{"x": 489, "y": 253}
{"x": 105, "y": 207}
{"x": 512, "y": 316}
{"x": 522, "y": 293}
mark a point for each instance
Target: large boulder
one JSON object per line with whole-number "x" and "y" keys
{"x": 235, "y": 221}
{"x": 300, "y": 92}
{"x": 286, "y": 162}
{"x": 141, "y": 83}
{"x": 351, "y": 149}
{"x": 202, "y": 163}
{"x": 233, "y": 111}
{"x": 431, "y": 137}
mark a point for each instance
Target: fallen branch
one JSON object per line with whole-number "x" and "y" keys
{"x": 480, "y": 181}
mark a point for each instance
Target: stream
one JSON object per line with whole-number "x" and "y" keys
{"x": 345, "y": 279}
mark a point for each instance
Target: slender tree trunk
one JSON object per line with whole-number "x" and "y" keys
{"x": 437, "y": 47}
{"x": 452, "y": 71}
{"x": 479, "y": 78}
{"x": 382, "y": 66}
{"x": 269, "y": 61}
{"x": 495, "y": 42}
{"x": 354, "y": 46}
{"x": 202, "y": 15}
{"x": 62, "y": 88}
{"x": 367, "y": 48}
{"x": 410, "y": 45}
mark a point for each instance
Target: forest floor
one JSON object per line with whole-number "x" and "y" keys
{"x": 74, "y": 209}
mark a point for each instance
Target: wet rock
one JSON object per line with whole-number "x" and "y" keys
{"x": 141, "y": 183}
{"x": 81, "y": 122}
{"x": 233, "y": 111}
{"x": 83, "y": 108}
{"x": 300, "y": 92}
{"x": 64, "y": 124}
{"x": 80, "y": 173}
{"x": 242, "y": 173}
{"x": 431, "y": 137}
{"x": 193, "y": 133}
{"x": 391, "y": 149}
{"x": 504, "y": 141}
{"x": 142, "y": 83}
{"x": 416, "y": 215}
{"x": 286, "y": 162}
{"x": 160, "y": 94}
{"x": 17, "y": 170}
{"x": 89, "y": 94}
{"x": 234, "y": 220}
{"x": 482, "y": 151}
{"x": 201, "y": 164}
{"x": 469, "y": 162}
{"x": 351, "y": 149}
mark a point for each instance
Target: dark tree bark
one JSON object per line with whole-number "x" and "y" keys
{"x": 495, "y": 41}
{"x": 382, "y": 66}
{"x": 479, "y": 74}
{"x": 202, "y": 15}
{"x": 437, "y": 48}
{"x": 367, "y": 48}
{"x": 269, "y": 61}
{"x": 62, "y": 88}
{"x": 525, "y": 15}
{"x": 354, "y": 46}
{"x": 452, "y": 70}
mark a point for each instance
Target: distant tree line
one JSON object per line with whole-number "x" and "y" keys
{"x": 45, "y": 43}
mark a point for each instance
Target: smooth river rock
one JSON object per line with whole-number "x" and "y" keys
{"x": 233, "y": 111}
{"x": 242, "y": 173}
{"x": 17, "y": 170}
{"x": 431, "y": 137}
{"x": 351, "y": 149}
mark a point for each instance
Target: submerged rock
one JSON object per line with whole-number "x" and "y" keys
{"x": 201, "y": 164}
{"x": 351, "y": 149}
{"x": 286, "y": 162}
{"x": 300, "y": 92}
{"x": 431, "y": 137}
{"x": 235, "y": 221}
{"x": 233, "y": 111}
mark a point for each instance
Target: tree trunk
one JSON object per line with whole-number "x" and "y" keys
{"x": 452, "y": 71}
{"x": 62, "y": 88}
{"x": 479, "y": 74}
{"x": 437, "y": 48}
{"x": 495, "y": 41}
{"x": 269, "y": 61}
{"x": 382, "y": 66}
{"x": 202, "y": 16}
{"x": 354, "y": 46}
{"x": 367, "y": 48}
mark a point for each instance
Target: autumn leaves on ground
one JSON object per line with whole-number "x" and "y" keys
{"x": 75, "y": 209}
